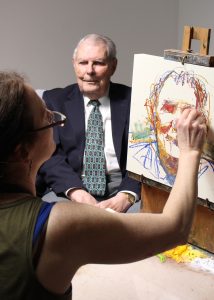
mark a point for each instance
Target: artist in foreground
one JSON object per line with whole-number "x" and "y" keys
{"x": 42, "y": 245}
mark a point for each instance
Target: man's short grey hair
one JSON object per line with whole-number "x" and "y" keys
{"x": 110, "y": 45}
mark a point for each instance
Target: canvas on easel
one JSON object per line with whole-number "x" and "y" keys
{"x": 161, "y": 89}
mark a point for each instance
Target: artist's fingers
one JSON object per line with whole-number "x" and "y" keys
{"x": 199, "y": 135}
{"x": 192, "y": 117}
{"x": 197, "y": 123}
{"x": 203, "y": 129}
{"x": 198, "y": 128}
{"x": 183, "y": 117}
{"x": 198, "y": 131}
{"x": 199, "y": 120}
{"x": 191, "y": 129}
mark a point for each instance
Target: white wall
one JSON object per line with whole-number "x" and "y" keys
{"x": 196, "y": 13}
{"x": 38, "y": 36}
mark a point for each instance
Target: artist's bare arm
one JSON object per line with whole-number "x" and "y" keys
{"x": 186, "y": 180}
{"x": 78, "y": 234}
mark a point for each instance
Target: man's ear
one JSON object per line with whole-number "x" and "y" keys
{"x": 114, "y": 66}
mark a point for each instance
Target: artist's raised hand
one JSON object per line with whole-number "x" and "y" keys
{"x": 81, "y": 196}
{"x": 191, "y": 131}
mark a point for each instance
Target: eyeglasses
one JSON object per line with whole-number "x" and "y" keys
{"x": 55, "y": 118}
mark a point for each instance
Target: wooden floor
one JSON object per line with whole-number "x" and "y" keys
{"x": 145, "y": 280}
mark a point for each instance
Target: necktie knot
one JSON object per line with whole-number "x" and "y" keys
{"x": 94, "y": 102}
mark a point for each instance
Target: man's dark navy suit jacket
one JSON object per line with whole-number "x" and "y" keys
{"x": 63, "y": 170}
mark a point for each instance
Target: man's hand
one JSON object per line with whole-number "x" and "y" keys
{"x": 118, "y": 203}
{"x": 81, "y": 196}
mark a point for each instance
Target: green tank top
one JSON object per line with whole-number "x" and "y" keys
{"x": 17, "y": 276}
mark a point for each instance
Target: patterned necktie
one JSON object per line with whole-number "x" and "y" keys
{"x": 95, "y": 167}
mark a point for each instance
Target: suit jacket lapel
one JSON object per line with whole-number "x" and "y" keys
{"x": 118, "y": 118}
{"x": 75, "y": 110}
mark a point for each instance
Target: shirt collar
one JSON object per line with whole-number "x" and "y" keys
{"x": 102, "y": 100}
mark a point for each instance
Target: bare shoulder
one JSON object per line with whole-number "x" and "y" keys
{"x": 76, "y": 234}
{"x": 73, "y": 230}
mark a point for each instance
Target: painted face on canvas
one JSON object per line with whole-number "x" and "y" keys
{"x": 173, "y": 93}
{"x": 173, "y": 99}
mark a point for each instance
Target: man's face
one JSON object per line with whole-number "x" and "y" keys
{"x": 93, "y": 69}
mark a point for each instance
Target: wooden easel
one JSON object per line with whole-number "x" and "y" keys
{"x": 154, "y": 196}
{"x": 196, "y": 33}
{"x": 202, "y": 58}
